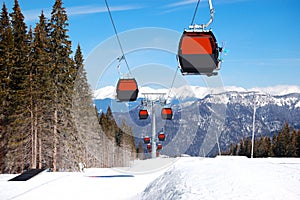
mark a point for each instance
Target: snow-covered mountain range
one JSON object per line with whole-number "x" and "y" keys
{"x": 200, "y": 113}
{"x": 200, "y": 92}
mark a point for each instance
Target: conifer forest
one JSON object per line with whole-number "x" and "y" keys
{"x": 47, "y": 116}
{"x": 286, "y": 143}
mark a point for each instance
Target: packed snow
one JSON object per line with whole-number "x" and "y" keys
{"x": 223, "y": 177}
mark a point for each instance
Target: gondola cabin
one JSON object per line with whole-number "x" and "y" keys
{"x": 149, "y": 147}
{"x": 166, "y": 113}
{"x": 147, "y": 140}
{"x": 143, "y": 114}
{"x": 127, "y": 89}
{"x": 159, "y": 147}
{"x": 161, "y": 136}
{"x": 198, "y": 53}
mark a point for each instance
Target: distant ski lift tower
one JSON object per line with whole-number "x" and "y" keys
{"x": 253, "y": 124}
{"x": 151, "y": 99}
{"x": 153, "y": 155}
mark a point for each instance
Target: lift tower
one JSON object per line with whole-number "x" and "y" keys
{"x": 152, "y": 99}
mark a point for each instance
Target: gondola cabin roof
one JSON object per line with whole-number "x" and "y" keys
{"x": 127, "y": 84}
{"x": 198, "y": 43}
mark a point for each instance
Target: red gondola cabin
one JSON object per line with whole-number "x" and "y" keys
{"x": 159, "y": 146}
{"x": 149, "y": 147}
{"x": 147, "y": 140}
{"x": 198, "y": 53}
{"x": 143, "y": 114}
{"x": 127, "y": 89}
{"x": 161, "y": 137}
{"x": 166, "y": 113}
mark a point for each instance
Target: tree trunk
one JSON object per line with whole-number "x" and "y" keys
{"x": 40, "y": 154}
{"x": 55, "y": 140}
{"x": 32, "y": 135}
{"x": 35, "y": 139}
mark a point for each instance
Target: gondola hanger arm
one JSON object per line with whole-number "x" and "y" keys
{"x": 212, "y": 14}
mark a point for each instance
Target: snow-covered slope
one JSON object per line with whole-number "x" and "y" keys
{"x": 227, "y": 178}
{"x": 185, "y": 178}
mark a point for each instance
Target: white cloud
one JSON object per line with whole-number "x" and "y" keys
{"x": 181, "y": 3}
{"x": 83, "y": 10}
{"x": 229, "y": 1}
{"x": 267, "y": 62}
{"x": 187, "y": 2}
{"x": 31, "y": 15}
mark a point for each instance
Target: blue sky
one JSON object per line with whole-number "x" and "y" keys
{"x": 262, "y": 36}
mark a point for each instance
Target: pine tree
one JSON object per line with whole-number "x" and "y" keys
{"x": 140, "y": 150}
{"x": 6, "y": 61}
{"x": 241, "y": 151}
{"x": 19, "y": 126}
{"x": 88, "y": 129}
{"x": 40, "y": 92}
{"x": 245, "y": 147}
{"x": 62, "y": 72}
{"x": 268, "y": 147}
{"x": 292, "y": 145}
{"x": 282, "y": 142}
{"x": 128, "y": 141}
{"x": 232, "y": 149}
{"x": 248, "y": 144}
{"x": 274, "y": 151}
{"x": 31, "y": 104}
{"x": 259, "y": 147}
{"x": 110, "y": 127}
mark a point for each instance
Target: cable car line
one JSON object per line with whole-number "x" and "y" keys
{"x": 118, "y": 39}
{"x": 196, "y": 9}
{"x": 169, "y": 93}
{"x": 127, "y": 88}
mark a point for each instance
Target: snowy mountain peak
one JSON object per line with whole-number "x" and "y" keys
{"x": 105, "y": 92}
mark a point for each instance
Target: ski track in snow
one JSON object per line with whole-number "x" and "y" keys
{"x": 222, "y": 177}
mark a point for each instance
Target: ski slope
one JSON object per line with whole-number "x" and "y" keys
{"x": 223, "y": 177}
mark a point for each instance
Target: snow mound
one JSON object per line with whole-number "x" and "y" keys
{"x": 225, "y": 178}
